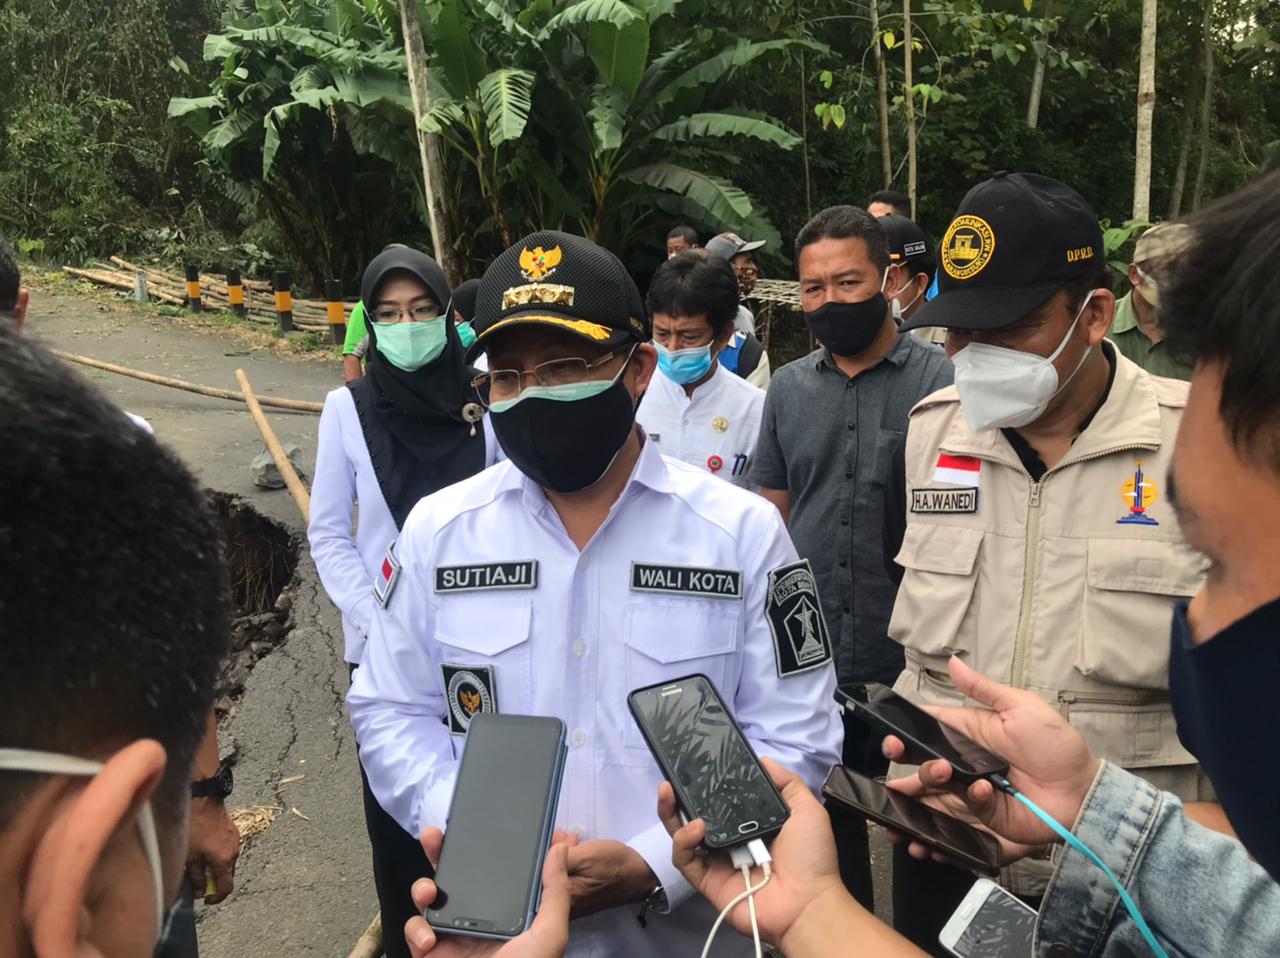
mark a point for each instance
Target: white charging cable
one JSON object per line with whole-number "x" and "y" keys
{"x": 743, "y": 857}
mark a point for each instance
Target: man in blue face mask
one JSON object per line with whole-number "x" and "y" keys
{"x": 117, "y": 617}
{"x": 696, "y": 410}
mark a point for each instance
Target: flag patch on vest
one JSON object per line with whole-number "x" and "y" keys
{"x": 686, "y": 580}
{"x": 957, "y": 470}
{"x": 800, "y": 638}
{"x": 388, "y": 577}
{"x": 944, "y": 500}
{"x": 490, "y": 575}
{"x": 468, "y": 691}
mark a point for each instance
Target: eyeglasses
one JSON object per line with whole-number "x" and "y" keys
{"x": 502, "y": 385}
{"x": 419, "y": 314}
{"x": 747, "y": 272}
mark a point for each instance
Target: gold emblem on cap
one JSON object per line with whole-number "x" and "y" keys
{"x": 544, "y": 294}
{"x": 537, "y": 264}
{"x": 967, "y": 247}
{"x": 719, "y": 424}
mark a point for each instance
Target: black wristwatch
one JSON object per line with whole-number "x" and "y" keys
{"x": 219, "y": 786}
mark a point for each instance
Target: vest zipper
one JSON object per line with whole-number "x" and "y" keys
{"x": 1123, "y": 699}
{"x": 1030, "y": 562}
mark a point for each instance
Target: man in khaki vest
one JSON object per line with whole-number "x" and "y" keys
{"x": 1038, "y": 542}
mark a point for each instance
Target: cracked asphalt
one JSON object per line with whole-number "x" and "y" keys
{"x": 303, "y": 886}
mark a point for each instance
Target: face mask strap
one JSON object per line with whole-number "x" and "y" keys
{"x": 55, "y": 763}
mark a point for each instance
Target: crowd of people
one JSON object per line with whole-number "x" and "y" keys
{"x": 1046, "y": 513}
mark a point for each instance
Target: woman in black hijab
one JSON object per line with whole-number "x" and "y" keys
{"x": 408, "y": 427}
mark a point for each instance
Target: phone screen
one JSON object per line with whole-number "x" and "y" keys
{"x": 497, "y": 834}
{"x": 1003, "y": 927}
{"x": 889, "y": 808}
{"x": 715, "y": 773}
{"x": 916, "y": 726}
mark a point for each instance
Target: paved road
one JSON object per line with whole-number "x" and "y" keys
{"x": 303, "y": 886}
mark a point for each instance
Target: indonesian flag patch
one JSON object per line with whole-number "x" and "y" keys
{"x": 388, "y": 576}
{"x": 957, "y": 470}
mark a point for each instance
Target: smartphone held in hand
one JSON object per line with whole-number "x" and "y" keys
{"x": 499, "y": 828}
{"x": 990, "y": 923}
{"x": 713, "y": 770}
{"x": 925, "y": 737}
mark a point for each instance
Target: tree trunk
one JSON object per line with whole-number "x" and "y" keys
{"x": 804, "y": 136}
{"x": 1146, "y": 113}
{"x": 1037, "y": 87}
{"x": 882, "y": 94}
{"x": 909, "y": 99}
{"x": 433, "y": 179}
{"x": 1206, "y": 111}
{"x": 1190, "y": 100}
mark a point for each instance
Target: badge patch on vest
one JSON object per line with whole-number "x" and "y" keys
{"x": 800, "y": 638}
{"x": 388, "y": 577}
{"x": 686, "y": 580}
{"x": 468, "y": 691}
{"x": 490, "y": 575}
{"x": 941, "y": 501}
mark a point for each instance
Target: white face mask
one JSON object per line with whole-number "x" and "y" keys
{"x": 52, "y": 763}
{"x": 898, "y": 308}
{"x": 1006, "y": 388}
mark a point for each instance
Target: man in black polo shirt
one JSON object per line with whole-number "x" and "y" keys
{"x": 831, "y": 422}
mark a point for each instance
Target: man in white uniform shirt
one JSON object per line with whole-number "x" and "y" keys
{"x": 696, "y": 410}
{"x": 586, "y": 566}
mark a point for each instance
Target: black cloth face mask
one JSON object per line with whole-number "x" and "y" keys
{"x": 848, "y": 328}
{"x": 1221, "y": 691}
{"x": 567, "y": 446}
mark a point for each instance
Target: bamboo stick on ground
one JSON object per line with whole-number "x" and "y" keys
{"x": 297, "y": 405}
{"x": 296, "y": 488}
{"x": 369, "y": 945}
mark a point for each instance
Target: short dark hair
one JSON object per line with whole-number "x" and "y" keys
{"x": 695, "y": 283}
{"x": 10, "y": 278}
{"x": 900, "y": 202}
{"x": 686, "y": 233}
{"x": 846, "y": 222}
{"x": 1219, "y": 305}
{"x": 922, "y": 263}
{"x": 115, "y": 597}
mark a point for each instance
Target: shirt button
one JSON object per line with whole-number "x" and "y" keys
{"x": 584, "y": 562}
{"x": 844, "y": 520}
{"x": 578, "y": 738}
{"x": 848, "y": 610}
{"x": 848, "y": 474}
{"x": 1059, "y": 950}
{"x": 852, "y": 426}
{"x": 579, "y": 830}
{"x": 844, "y": 563}
{"x": 580, "y": 648}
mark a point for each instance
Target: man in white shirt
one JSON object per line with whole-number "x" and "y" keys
{"x": 586, "y": 566}
{"x": 696, "y": 410}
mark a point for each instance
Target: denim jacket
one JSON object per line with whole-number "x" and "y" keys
{"x": 1199, "y": 891}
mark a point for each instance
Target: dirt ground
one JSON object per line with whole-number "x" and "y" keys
{"x": 303, "y": 885}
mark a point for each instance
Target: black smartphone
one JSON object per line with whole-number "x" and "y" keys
{"x": 499, "y": 828}
{"x": 870, "y": 799}
{"x": 706, "y": 758}
{"x": 925, "y": 737}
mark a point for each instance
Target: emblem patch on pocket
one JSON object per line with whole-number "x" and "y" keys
{"x": 468, "y": 691}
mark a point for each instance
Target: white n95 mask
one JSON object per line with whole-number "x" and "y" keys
{"x": 53, "y": 763}
{"x": 1006, "y": 388}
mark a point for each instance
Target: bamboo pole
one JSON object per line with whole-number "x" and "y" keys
{"x": 369, "y": 945}
{"x": 296, "y": 405}
{"x": 299, "y": 491}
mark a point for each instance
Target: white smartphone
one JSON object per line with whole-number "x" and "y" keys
{"x": 990, "y": 923}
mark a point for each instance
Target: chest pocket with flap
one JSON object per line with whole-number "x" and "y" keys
{"x": 478, "y": 629}
{"x": 931, "y": 615}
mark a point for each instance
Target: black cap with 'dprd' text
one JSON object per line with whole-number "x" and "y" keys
{"x": 1015, "y": 241}
{"x": 561, "y": 281}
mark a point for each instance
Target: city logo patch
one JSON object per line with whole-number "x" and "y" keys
{"x": 944, "y": 500}
{"x": 388, "y": 577}
{"x": 469, "y": 690}
{"x": 957, "y": 470}
{"x": 800, "y": 638}
{"x": 1139, "y": 494}
{"x": 686, "y": 580}
{"x": 967, "y": 247}
{"x": 488, "y": 576}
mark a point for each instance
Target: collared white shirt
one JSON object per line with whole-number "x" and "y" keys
{"x": 714, "y": 430}
{"x": 349, "y": 560}
{"x": 574, "y": 645}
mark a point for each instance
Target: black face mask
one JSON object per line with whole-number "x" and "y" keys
{"x": 1221, "y": 692}
{"x": 848, "y": 328}
{"x": 567, "y": 446}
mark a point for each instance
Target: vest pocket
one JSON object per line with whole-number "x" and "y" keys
{"x": 931, "y": 615}
{"x": 1128, "y": 606}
